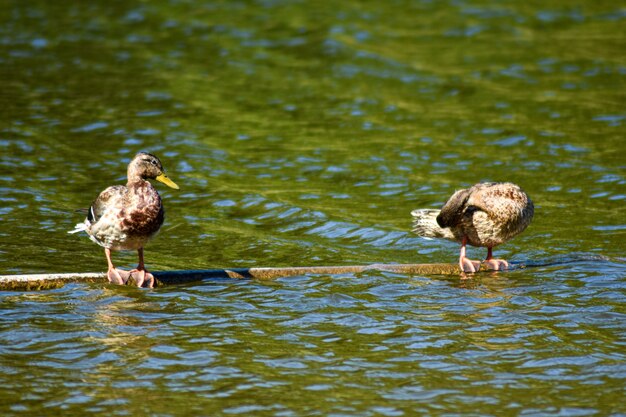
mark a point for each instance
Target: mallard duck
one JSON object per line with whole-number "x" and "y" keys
{"x": 485, "y": 215}
{"x": 126, "y": 217}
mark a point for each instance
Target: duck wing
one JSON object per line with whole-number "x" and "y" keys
{"x": 503, "y": 201}
{"x": 107, "y": 200}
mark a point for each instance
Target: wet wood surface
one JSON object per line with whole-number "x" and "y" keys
{"x": 46, "y": 281}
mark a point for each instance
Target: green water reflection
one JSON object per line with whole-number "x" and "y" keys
{"x": 304, "y": 134}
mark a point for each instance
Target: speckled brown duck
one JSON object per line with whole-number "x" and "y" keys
{"x": 485, "y": 215}
{"x": 126, "y": 217}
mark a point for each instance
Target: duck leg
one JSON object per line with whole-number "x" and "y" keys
{"x": 114, "y": 275}
{"x": 142, "y": 276}
{"x": 495, "y": 264}
{"x": 466, "y": 264}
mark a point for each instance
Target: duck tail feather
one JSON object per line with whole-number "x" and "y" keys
{"x": 80, "y": 227}
{"x": 425, "y": 225}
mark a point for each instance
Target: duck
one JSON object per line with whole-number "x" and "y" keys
{"x": 486, "y": 214}
{"x": 126, "y": 217}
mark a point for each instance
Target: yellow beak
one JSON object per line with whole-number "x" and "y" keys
{"x": 165, "y": 180}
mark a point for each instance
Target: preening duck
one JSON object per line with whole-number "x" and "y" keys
{"x": 485, "y": 215}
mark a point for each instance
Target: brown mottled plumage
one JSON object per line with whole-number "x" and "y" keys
{"x": 127, "y": 217}
{"x": 486, "y": 215}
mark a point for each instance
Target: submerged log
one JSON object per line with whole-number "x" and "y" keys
{"x": 163, "y": 278}
{"x": 48, "y": 281}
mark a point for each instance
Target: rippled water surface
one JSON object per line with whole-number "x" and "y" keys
{"x": 304, "y": 134}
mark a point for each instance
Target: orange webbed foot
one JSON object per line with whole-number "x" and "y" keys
{"x": 117, "y": 276}
{"x": 468, "y": 265}
{"x": 497, "y": 264}
{"x": 142, "y": 278}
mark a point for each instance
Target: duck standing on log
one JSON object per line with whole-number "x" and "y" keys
{"x": 486, "y": 215}
{"x": 126, "y": 217}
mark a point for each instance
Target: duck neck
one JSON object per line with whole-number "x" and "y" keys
{"x": 133, "y": 175}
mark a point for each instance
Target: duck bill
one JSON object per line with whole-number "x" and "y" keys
{"x": 165, "y": 180}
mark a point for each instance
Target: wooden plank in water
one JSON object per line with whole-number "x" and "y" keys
{"x": 47, "y": 281}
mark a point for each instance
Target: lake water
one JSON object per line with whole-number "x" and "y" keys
{"x": 304, "y": 133}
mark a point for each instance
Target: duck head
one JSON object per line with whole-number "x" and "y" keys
{"x": 147, "y": 166}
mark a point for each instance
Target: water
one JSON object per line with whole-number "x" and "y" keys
{"x": 304, "y": 134}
